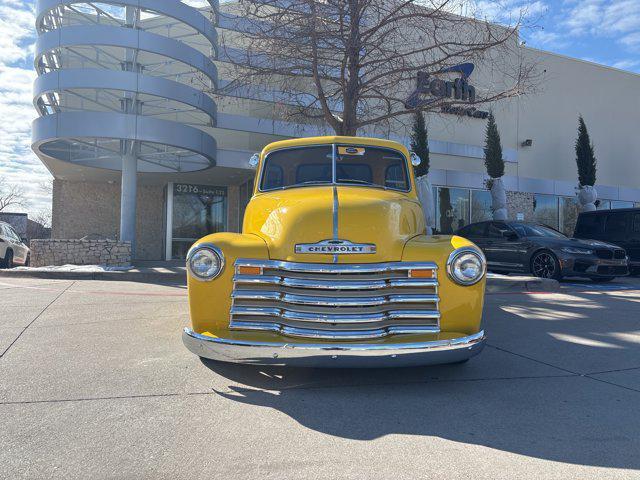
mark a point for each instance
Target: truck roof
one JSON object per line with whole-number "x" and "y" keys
{"x": 299, "y": 142}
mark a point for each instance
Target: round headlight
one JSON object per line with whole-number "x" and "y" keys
{"x": 466, "y": 266}
{"x": 205, "y": 262}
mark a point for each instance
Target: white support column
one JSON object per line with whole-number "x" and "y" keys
{"x": 169, "y": 223}
{"x": 128, "y": 195}
{"x": 129, "y": 187}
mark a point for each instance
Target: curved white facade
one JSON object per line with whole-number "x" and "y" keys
{"x": 122, "y": 86}
{"x": 125, "y": 77}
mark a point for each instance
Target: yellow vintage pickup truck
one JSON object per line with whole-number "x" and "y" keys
{"x": 333, "y": 267}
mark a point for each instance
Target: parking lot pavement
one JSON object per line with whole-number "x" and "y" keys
{"x": 95, "y": 383}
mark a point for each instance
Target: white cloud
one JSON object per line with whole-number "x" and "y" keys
{"x": 18, "y": 163}
{"x": 617, "y": 19}
{"x": 627, "y": 64}
{"x": 547, "y": 39}
{"x": 509, "y": 11}
{"x": 631, "y": 40}
{"x": 16, "y": 24}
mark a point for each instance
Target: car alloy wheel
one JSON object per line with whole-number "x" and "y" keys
{"x": 545, "y": 265}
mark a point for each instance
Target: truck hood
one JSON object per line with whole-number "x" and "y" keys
{"x": 360, "y": 215}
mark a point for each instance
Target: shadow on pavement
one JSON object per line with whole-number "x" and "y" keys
{"x": 559, "y": 414}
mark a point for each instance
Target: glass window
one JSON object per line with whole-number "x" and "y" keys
{"x": 590, "y": 225}
{"x": 474, "y": 230}
{"x": 395, "y": 177}
{"x": 354, "y": 165}
{"x": 480, "y": 206}
{"x": 532, "y": 230}
{"x": 381, "y": 167}
{"x": 273, "y": 177}
{"x": 616, "y": 223}
{"x": 621, "y": 204}
{"x": 569, "y": 210}
{"x": 314, "y": 173}
{"x": 497, "y": 230}
{"x": 452, "y": 209}
{"x": 346, "y": 172}
{"x": 11, "y": 233}
{"x": 636, "y": 222}
{"x": 545, "y": 210}
{"x": 293, "y": 166}
{"x": 198, "y": 210}
{"x": 603, "y": 204}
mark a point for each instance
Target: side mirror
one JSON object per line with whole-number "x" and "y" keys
{"x": 511, "y": 236}
{"x": 415, "y": 159}
{"x": 254, "y": 160}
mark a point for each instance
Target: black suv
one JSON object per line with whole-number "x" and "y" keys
{"x": 620, "y": 227}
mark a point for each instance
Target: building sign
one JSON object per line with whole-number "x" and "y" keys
{"x": 207, "y": 190}
{"x": 431, "y": 89}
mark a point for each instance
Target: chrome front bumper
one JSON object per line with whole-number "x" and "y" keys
{"x": 340, "y": 355}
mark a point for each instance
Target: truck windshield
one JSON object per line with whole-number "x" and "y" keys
{"x": 335, "y": 165}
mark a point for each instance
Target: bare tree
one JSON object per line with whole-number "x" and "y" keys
{"x": 40, "y": 227}
{"x": 11, "y": 195}
{"x": 354, "y": 64}
{"x": 42, "y": 217}
{"x": 46, "y": 187}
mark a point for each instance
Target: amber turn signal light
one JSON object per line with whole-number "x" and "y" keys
{"x": 421, "y": 274}
{"x": 245, "y": 270}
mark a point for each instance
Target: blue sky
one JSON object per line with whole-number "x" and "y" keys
{"x": 602, "y": 31}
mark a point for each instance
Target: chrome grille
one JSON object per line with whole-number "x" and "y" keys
{"x": 335, "y": 301}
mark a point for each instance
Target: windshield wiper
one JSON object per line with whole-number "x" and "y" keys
{"x": 308, "y": 182}
{"x": 354, "y": 180}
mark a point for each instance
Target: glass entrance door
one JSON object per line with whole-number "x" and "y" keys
{"x": 196, "y": 211}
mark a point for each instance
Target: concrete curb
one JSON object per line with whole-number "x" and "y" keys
{"x": 122, "y": 276}
{"x": 495, "y": 283}
{"x": 509, "y": 284}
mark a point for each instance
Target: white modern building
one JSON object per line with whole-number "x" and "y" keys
{"x": 143, "y": 148}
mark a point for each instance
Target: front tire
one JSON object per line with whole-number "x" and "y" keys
{"x": 8, "y": 260}
{"x": 544, "y": 264}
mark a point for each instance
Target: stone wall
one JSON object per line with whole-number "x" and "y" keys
{"x": 85, "y": 208}
{"x": 110, "y": 253}
{"x": 520, "y": 202}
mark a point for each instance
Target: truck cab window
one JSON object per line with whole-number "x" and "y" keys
{"x": 352, "y": 165}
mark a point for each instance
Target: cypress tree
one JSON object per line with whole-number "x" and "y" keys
{"x": 493, "y": 149}
{"x": 585, "y": 156}
{"x": 420, "y": 144}
{"x": 446, "y": 211}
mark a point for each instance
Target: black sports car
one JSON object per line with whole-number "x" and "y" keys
{"x": 544, "y": 252}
